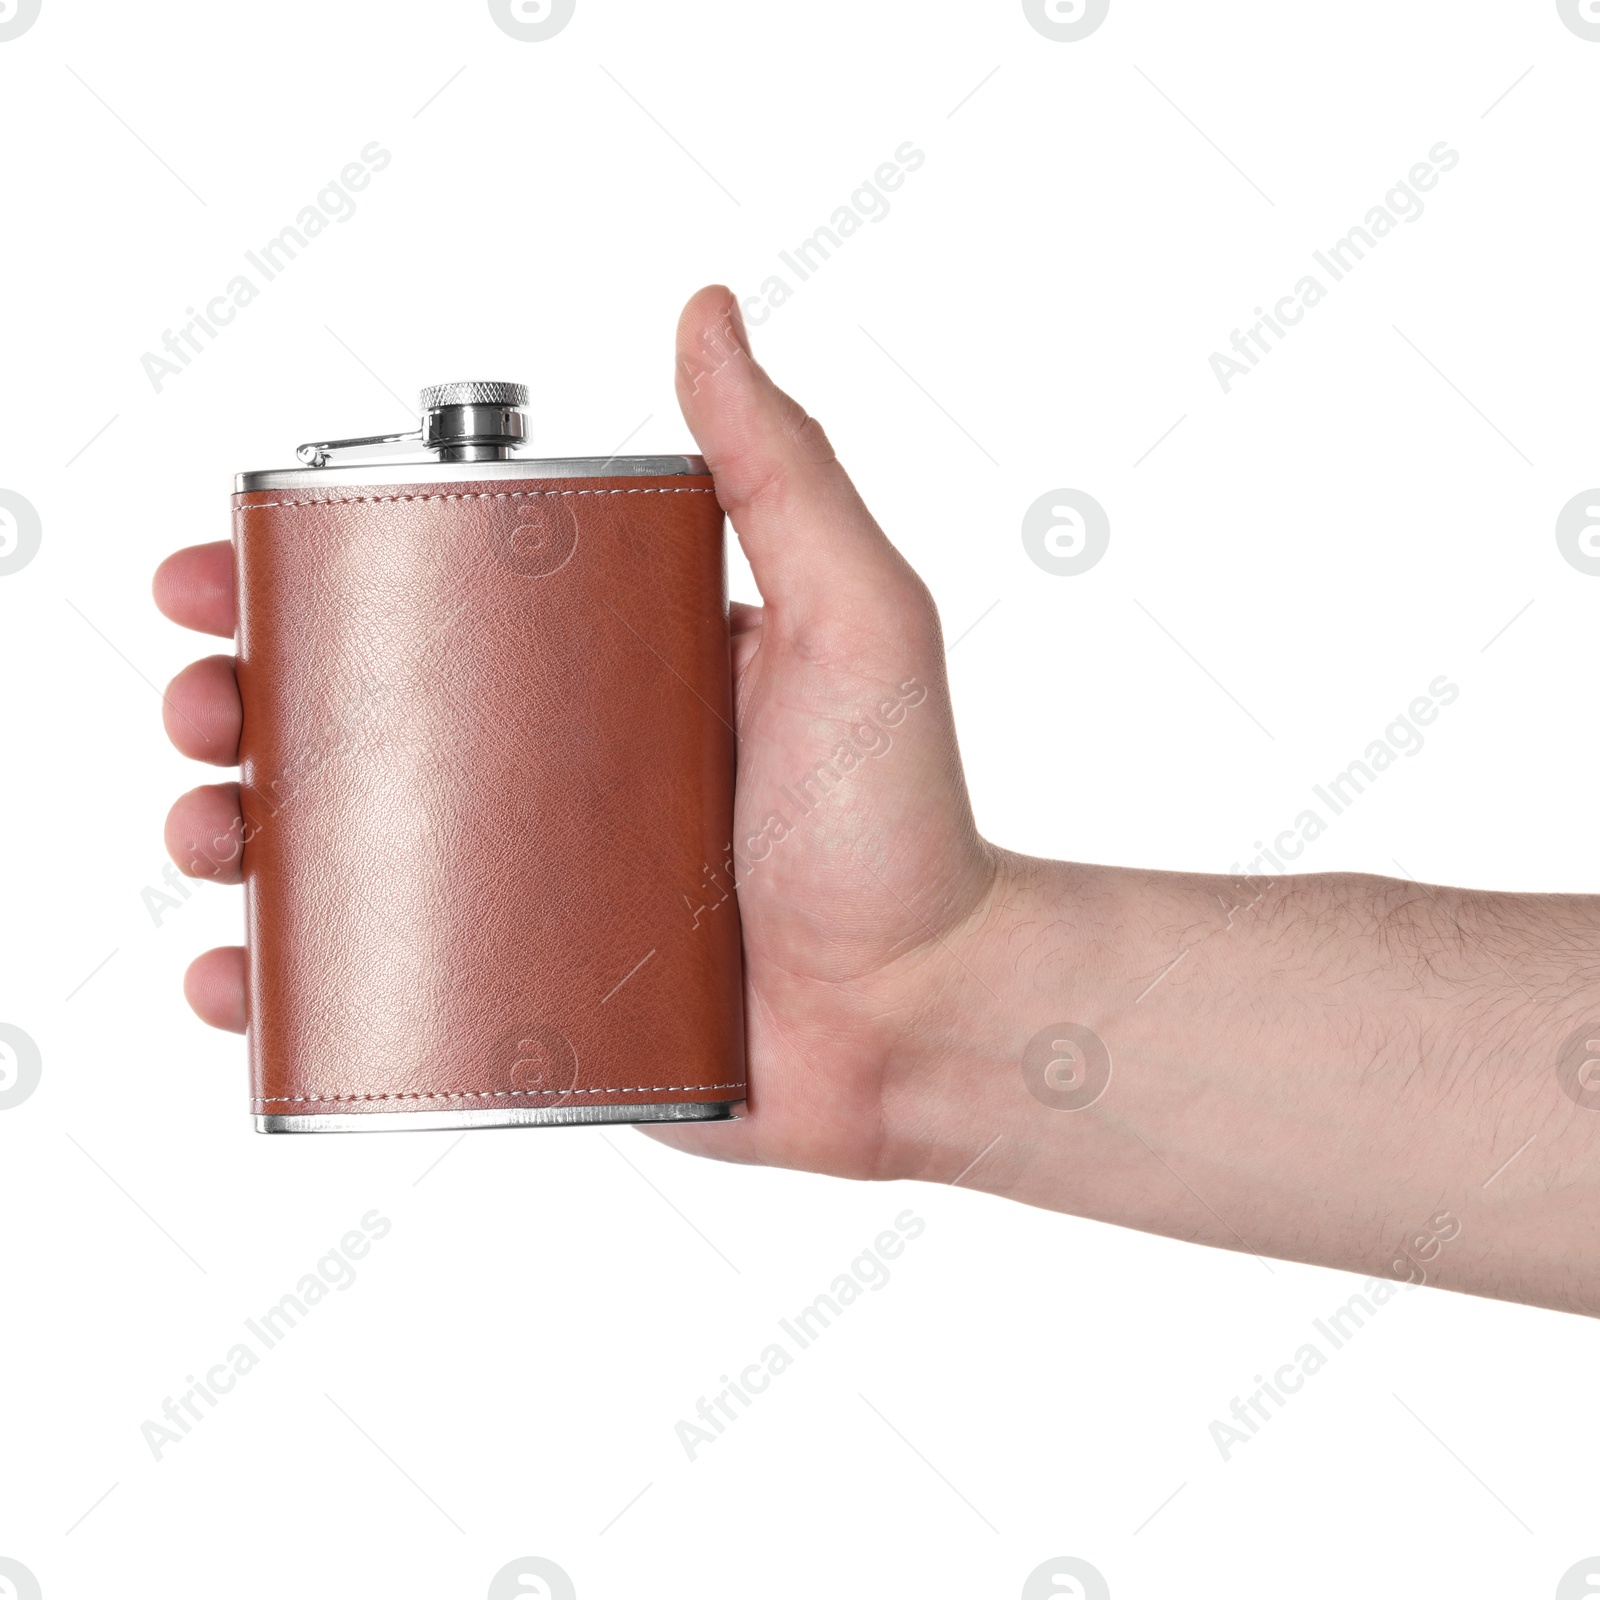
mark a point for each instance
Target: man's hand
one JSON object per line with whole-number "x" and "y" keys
{"x": 854, "y": 845}
{"x": 1346, "y": 1070}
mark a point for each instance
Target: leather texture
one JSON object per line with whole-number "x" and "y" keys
{"x": 488, "y": 765}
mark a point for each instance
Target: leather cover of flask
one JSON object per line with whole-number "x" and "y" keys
{"x": 487, "y": 757}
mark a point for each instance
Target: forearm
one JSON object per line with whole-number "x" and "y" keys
{"x": 1314, "y": 1067}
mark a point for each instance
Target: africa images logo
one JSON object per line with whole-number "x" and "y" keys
{"x": 1582, "y": 16}
{"x": 16, "y": 17}
{"x": 21, "y": 1066}
{"x": 1065, "y": 532}
{"x": 1578, "y": 532}
{"x": 532, "y": 1578}
{"x": 20, "y": 532}
{"x": 1066, "y": 21}
{"x": 532, "y": 21}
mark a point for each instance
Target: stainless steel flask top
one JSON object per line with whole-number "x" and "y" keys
{"x": 468, "y": 430}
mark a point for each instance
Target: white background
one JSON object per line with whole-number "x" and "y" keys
{"x": 1288, "y": 569}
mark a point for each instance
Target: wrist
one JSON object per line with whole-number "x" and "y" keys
{"x": 1031, "y": 949}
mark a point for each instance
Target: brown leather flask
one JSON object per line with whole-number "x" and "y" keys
{"x": 488, "y": 757}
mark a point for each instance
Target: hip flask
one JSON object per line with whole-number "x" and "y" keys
{"x": 487, "y": 755}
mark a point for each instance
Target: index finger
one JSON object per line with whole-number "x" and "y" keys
{"x": 195, "y": 588}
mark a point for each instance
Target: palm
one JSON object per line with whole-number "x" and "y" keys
{"x": 854, "y": 853}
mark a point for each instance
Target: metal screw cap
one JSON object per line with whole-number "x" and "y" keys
{"x": 474, "y": 394}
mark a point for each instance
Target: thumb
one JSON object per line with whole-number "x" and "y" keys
{"x": 811, "y": 543}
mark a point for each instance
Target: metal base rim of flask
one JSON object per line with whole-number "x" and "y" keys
{"x": 511, "y": 1117}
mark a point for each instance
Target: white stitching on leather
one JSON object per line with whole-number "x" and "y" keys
{"x": 488, "y": 1094}
{"x": 508, "y": 494}
{"x": 474, "y": 1094}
